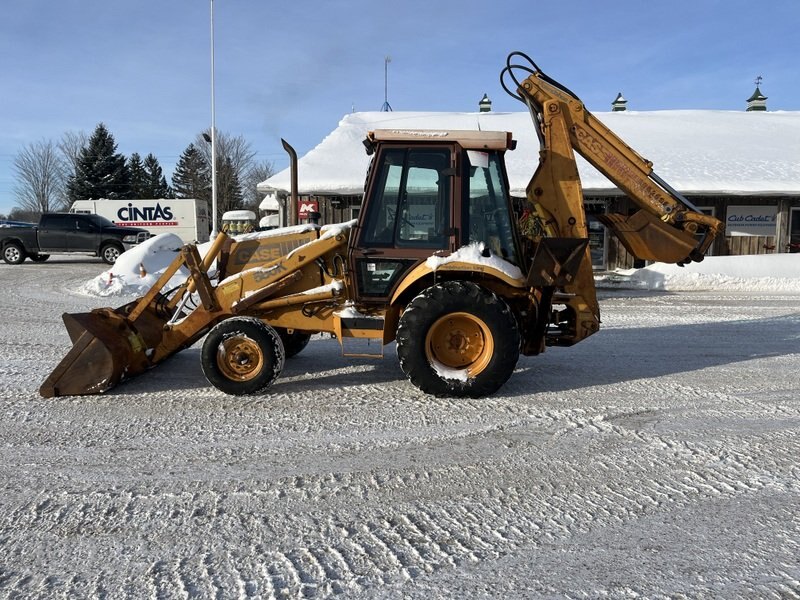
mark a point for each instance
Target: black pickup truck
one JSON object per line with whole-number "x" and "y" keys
{"x": 64, "y": 233}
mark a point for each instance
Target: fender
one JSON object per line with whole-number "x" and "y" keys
{"x": 456, "y": 266}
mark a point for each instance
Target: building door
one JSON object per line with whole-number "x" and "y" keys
{"x": 598, "y": 242}
{"x": 794, "y": 231}
{"x": 707, "y": 210}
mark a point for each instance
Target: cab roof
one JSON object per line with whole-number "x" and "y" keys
{"x": 469, "y": 140}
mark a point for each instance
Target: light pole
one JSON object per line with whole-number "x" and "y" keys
{"x": 213, "y": 138}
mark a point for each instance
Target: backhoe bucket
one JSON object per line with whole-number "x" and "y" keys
{"x": 106, "y": 349}
{"x": 648, "y": 238}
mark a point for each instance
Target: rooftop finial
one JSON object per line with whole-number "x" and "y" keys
{"x": 758, "y": 101}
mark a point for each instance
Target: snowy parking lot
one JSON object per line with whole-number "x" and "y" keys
{"x": 657, "y": 459}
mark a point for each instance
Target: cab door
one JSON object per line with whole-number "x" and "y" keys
{"x": 52, "y": 233}
{"x": 84, "y": 235}
{"x": 407, "y": 216}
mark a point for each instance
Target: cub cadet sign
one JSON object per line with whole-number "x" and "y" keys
{"x": 751, "y": 220}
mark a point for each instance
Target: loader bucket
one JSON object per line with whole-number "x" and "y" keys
{"x": 106, "y": 349}
{"x": 648, "y": 238}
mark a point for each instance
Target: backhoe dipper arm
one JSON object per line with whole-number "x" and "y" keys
{"x": 667, "y": 228}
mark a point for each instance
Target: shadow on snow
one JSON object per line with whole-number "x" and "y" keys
{"x": 610, "y": 356}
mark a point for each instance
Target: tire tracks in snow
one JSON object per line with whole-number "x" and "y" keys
{"x": 369, "y": 545}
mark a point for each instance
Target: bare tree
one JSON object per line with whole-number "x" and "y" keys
{"x": 233, "y": 149}
{"x": 71, "y": 144}
{"x": 258, "y": 172}
{"x": 234, "y": 162}
{"x": 40, "y": 177}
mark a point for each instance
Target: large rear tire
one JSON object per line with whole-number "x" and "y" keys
{"x": 458, "y": 339}
{"x": 242, "y": 355}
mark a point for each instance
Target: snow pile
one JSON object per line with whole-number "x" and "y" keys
{"x": 763, "y": 272}
{"x": 136, "y": 270}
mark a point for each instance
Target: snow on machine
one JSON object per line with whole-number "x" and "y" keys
{"x": 441, "y": 260}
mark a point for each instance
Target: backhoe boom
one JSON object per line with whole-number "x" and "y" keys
{"x": 668, "y": 228}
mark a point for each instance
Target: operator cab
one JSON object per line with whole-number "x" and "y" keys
{"x": 430, "y": 192}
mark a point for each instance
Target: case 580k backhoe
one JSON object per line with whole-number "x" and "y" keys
{"x": 440, "y": 260}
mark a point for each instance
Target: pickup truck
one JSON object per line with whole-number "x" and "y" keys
{"x": 65, "y": 233}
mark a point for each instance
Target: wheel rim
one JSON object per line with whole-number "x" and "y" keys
{"x": 112, "y": 254}
{"x": 240, "y": 358}
{"x": 460, "y": 341}
{"x": 12, "y": 253}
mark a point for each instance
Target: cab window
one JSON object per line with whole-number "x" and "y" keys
{"x": 410, "y": 203}
{"x": 486, "y": 214}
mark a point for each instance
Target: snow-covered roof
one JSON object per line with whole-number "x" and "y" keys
{"x": 270, "y": 201}
{"x": 695, "y": 151}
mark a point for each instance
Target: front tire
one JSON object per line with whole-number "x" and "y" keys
{"x": 242, "y": 355}
{"x": 458, "y": 339}
{"x": 110, "y": 253}
{"x": 13, "y": 253}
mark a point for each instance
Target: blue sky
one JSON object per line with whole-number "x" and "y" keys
{"x": 292, "y": 69}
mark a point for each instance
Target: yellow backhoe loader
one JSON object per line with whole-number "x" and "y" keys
{"x": 441, "y": 260}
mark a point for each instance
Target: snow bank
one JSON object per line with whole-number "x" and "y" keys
{"x": 138, "y": 269}
{"x": 763, "y": 272}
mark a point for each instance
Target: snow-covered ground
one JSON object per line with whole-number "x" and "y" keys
{"x": 657, "y": 459}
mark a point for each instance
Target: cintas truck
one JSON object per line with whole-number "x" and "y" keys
{"x": 187, "y": 218}
{"x": 441, "y": 261}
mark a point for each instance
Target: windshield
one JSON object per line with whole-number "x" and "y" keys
{"x": 100, "y": 221}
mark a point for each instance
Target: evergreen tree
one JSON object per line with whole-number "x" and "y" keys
{"x": 100, "y": 171}
{"x": 156, "y": 182}
{"x": 138, "y": 176}
{"x": 192, "y": 176}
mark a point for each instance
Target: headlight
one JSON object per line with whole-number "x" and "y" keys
{"x": 129, "y": 239}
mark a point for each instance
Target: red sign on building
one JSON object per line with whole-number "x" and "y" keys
{"x": 305, "y": 207}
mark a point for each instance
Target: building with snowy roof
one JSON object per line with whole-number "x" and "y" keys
{"x": 742, "y": 167}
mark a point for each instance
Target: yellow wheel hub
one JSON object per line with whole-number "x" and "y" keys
{"x": 240, "y": 358}
{"x": 460, "y": 341}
